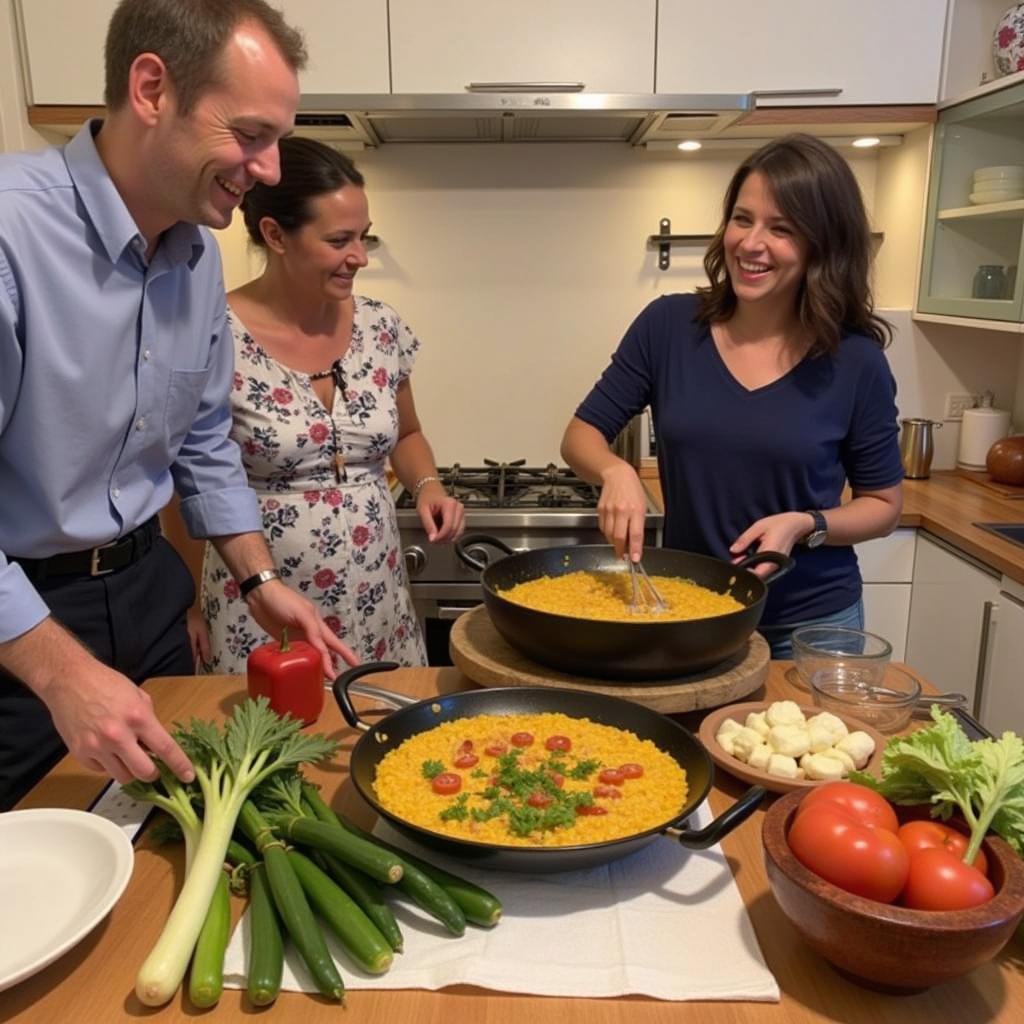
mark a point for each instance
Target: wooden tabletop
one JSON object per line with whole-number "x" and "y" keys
{"x": 94, "y": 982}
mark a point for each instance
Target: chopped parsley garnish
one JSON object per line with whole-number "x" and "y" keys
{"x": 431, "y": 769}
{"x": 583, "y": 770}
{"x": 458, "y": 811}
{"x": 478, "y": 773}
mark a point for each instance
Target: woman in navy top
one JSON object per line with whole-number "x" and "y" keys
{"x": 769, "y": 391}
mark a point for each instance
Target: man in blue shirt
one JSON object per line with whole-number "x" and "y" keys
{"x": 115, "y": 368}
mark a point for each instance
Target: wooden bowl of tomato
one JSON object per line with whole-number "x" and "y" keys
{"x": 884, "y": 945}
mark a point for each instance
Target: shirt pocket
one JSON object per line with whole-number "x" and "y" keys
{"x": 184, "y": 394}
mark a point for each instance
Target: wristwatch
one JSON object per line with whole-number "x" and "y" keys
{"x": 247, "y": 586}
{"x": 817, "y": 535}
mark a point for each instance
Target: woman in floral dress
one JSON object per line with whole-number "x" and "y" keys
{"x": 322, "y": 399}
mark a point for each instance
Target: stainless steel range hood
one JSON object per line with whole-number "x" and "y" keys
{"x": 549, "y": 114}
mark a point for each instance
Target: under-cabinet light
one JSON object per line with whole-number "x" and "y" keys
{"x": 689, "y": 146}
{"x": 866, "y": 142}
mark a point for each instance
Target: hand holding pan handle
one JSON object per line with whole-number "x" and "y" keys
{"x": 701, "y": 839}
{"x": 463, "y": 545}
{"x": 345, "y": 685}
{"x": 783, "y": 562}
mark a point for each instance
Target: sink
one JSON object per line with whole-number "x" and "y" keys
{"x": 1013, "y": 532}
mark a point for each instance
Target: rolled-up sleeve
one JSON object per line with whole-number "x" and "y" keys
{"x": 21, "y": 607}
{"x": 216, "y": 499}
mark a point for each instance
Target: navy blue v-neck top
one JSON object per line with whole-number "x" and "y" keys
{"x": 729, "y": 456}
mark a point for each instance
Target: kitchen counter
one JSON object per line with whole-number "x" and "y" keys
{"x": 947, "y": 505}
{"x": 94, "y": 982}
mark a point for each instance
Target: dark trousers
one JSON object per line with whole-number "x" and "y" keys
{"x": 132, "y": 619}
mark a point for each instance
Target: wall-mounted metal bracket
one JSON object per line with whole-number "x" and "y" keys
{"x": 664, "y": 241}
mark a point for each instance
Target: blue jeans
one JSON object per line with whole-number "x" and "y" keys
{"x": 780, "y": 638}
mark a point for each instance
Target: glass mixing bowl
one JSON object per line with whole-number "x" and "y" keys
{"x": 853, "y": 654}
{"x": 886, "y": 705}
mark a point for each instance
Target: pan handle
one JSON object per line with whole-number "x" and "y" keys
{"x": 463, "y": 544}
{"x": 722, "y": 825}
{"x": 345, "y": 685}
{"x": 783, "y": 563}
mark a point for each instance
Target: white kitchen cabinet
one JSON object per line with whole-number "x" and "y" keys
{"x": 63, "y": 45}
{"x": 887, "y": 568}
{"x": 443, "y": 46}
{"x": 951, "y": 612}
{"x": 876, "y": 51}
{"x": 1002, "y": 697}
{"x": 347, "y": 41}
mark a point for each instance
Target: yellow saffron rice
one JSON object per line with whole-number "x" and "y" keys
{"x": 607, "y": 596}
{"x": 405, "y": 788}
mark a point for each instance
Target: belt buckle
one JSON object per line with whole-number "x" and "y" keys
{"x": 94, "y": 560}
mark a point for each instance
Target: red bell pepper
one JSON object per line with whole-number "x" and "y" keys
{"x": 290, "y": 676}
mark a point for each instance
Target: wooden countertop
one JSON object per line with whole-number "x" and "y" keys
{"x": 948, "y": 505}
{"x": 94, "y": 982}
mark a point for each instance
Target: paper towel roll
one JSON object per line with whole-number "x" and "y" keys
{"x": 979, "y": 430}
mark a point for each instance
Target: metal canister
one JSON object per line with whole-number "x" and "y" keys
{"x": 917, "y": 447}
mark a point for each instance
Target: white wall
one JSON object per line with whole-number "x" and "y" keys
{"x": 520, "y": 267}
{"x": 15, "y": 131}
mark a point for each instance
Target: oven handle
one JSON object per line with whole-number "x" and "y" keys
{"x": 449, "y": 613}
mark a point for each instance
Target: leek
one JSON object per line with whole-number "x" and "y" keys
{"x": 255, "y": 744}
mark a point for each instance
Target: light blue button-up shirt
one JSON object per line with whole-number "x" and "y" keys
{"x": 114, "y": 374}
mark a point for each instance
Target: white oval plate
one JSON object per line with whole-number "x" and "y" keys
{"x": 60, "y": 873}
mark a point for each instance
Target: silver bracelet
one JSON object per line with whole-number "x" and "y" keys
{"x": 421, "y": 483}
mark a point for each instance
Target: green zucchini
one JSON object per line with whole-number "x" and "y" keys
{"x": 206, "y": 977}
{"x": 359, "y": 935}
{"x": 370, "y": 858}
{"x": 292, "y": 905}
{"x": 266, "y": 947}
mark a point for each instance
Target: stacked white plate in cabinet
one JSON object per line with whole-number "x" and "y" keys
{"x": 997, "y": 184}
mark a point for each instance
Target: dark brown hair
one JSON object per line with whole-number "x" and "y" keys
{"x": 308, "y": 169}
{"x": 189, "y": 36}
{"x": 814, "y": 188}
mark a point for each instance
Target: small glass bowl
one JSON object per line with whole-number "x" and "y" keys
{"x": 886, "y": 705}
{"x": 859, "y": 654}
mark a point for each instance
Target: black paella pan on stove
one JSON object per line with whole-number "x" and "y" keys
{"x": 646, "y": 649}
{"x": 414, "y": 717}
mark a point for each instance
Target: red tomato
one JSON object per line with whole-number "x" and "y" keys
{"x": 446, "y": 783}
{"x": 539, "y": 799}
{"x": 632, "y": 771}
{"x": 521, "y": 739}
{"x": 465, "y": 746}
{"x": 558, "y": 743}
{"x": 558, "y": 780}
{"x": 930, "y": 835}
{"x": 831, "y": 842}
{"x": 612, "y": 776}
{"x": 466, "y": 760}
{"x": 862, "y": 803}
{"x": 940, "y": 880}
{"x": 608, "y": 791}
{"x": 589, "y": 809}
{"x": 495, "y": 749}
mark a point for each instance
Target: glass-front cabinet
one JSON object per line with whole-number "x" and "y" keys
{"x": 974, "y": 237}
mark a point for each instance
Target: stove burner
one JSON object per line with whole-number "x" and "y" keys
{"x": 514, "y": 485}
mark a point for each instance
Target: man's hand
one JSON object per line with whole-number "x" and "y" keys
{"x": 108, "y": 724}
{"x": 276, "y": 606}
{"x": 198, "y": 637}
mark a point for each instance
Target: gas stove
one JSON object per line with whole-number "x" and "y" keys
{"x": 527, "y": 507}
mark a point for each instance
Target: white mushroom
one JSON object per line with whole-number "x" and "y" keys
{"x": 819, "y": 766}
{"x": 859, "y": 745}
{"x": 784, "y": 767}
{"x": 840, "y": 755}
{"x": 784, "y": 712}
{"x": 744, "y": 741}
{"x": 756, "y": 720}
{"x": 791, "y": 740}
{"x": 760, "y": 756}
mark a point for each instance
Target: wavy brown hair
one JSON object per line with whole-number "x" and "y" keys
{"x": 815, "y": 190}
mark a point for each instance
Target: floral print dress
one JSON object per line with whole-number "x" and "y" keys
{"x": 337, "y": 543}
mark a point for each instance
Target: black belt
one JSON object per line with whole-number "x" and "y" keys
{"x": 96, "y": 561}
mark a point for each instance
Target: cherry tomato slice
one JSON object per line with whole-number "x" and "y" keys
{"x": 539, "y": 799}
{"x": 465, "y": 746}
{"x": 558, "y": 780}
{"x": 608, "y": 791}
{"x": 466, "y": 760}
{"x": 446, "y": 783}
{"x": 521, "y": 739}
{"x": 589, "y": 809}
{"x": 612, "y": 776}
{"x": 632, "y": 771}
{"x": 558, "y": 743}
{"x": 495, "y": 749}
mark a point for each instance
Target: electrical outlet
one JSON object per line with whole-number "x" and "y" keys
{"x": 956, "y": 404}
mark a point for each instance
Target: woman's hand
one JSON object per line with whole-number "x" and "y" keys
{"x": 621, "y": 510}
{"x": 198, "y": 637}
{"x": 773, "y": 533}
{"x": 443, "y": 516}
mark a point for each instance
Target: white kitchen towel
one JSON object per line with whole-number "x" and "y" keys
{"x": 664, "y": 922}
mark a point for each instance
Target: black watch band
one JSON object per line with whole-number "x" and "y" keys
{"x": 820, "y": 531}
{"x": 247, "y": 586}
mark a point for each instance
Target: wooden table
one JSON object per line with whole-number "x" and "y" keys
{"x": 94, "y": 982}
